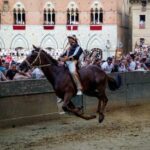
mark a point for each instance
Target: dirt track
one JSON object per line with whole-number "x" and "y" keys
{"x": 122, "y": 129}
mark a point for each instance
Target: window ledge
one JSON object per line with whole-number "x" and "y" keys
{"x": 48, "y": 27}
{"x": 19, "y": 27}
{"x": 95, "y": 27}
{"x": 141, "y": 26}
{"x": 72, "y": 27}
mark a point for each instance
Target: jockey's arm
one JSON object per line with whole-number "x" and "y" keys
{"x": 63, "y": 57}
{"x": 77, "y": 55}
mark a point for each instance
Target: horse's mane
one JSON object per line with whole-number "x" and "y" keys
{"x": 54, "y": 61}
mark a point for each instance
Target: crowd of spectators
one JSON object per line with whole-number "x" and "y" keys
{"x": 133, "y": 61}
{"x": 139, "y": 60}
{"x": 9, "y": 66}
{"x": 9, "y": 71}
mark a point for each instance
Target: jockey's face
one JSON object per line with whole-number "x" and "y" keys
{"x": 71, "y": 41}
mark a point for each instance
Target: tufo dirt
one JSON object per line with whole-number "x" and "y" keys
{"x": 123, "y": 129}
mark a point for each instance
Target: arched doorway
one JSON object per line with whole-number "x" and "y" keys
{"x": 49, "y": 41}
{"x": 2, "y": 48}
{"x": 19, "y": 47}
{"x": 99, "y": 44}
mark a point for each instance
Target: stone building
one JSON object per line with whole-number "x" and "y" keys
{"x": 140, "y": 22}
{"x": 101, "y": 24}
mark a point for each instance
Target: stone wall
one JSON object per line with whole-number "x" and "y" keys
{"x": 28, "y": 101}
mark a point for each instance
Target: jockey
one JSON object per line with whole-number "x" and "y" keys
{"x": 71, "y": 57}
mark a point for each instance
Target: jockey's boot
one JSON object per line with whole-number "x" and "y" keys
{"x": 79, "y": 92}
{"x": 78, "y": 83}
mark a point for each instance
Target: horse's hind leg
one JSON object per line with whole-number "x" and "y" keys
{"x": 101, "y": 106}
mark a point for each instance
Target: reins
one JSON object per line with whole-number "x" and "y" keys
{"x": 31, "y": 65}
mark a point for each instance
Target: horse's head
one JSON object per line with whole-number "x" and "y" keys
{"x": 32, "y": 59}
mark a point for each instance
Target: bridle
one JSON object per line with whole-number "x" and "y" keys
{"x": 31, "y": 65}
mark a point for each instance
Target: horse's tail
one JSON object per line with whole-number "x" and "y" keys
{"x": 114, "y": 83}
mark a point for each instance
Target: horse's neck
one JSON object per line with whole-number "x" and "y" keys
{"x": 50, "y": 73}
{"x": 53, "y": 71}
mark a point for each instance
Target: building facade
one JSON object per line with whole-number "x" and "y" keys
{"x": 140, "y": 22}
{"x": 101, "y": 24}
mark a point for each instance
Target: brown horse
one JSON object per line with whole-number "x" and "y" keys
{"x": 93, "y": 80}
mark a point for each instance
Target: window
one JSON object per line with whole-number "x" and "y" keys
{"x": 96, "y": 16}
{"x": 19, "y": 14}
{"x": 5, "y": 5}
{"x": 142, "y": 19}
{"x": 49, "y": 14}
{"x": 72, "y": 14}
{"x": 144, "y": 3}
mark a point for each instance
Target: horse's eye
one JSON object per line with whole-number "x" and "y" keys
{"x": 33, "y": 55}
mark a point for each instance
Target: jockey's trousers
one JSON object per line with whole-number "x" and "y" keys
{"x": 72, "y": 68}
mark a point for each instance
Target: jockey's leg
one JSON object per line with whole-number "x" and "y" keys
{"x": 75, "y": 76}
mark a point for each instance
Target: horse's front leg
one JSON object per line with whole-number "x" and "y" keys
{"x": 68, "y": 105}
{"x": 67, "y": 98}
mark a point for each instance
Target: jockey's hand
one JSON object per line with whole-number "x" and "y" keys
{"x": 70, "y": 58}
{"x": 63, "y": 59}
{"x": 66, "y": 58}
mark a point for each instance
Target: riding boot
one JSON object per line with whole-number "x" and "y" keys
{"x": 78, "y": 83}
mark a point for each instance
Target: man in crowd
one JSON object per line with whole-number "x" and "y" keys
{"x": 13, "y": 71}
{"x": 131, "y": 62}
{"x": 108, "y": 65}
{"x": 2, "y": 68}
{"x": 2, "y": 77}
{"x": 37, "y": 73}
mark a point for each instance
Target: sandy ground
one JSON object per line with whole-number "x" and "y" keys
{"x": 123, "y": 129}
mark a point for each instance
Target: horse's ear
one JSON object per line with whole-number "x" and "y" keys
{"x": 34, "y": 47}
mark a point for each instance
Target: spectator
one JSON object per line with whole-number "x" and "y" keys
{"x": 7, "y": 66}
{"x": 2, "y": 68}
{"x": 143, "y": 67}
{"x": 2, "y": 77}
{"x": 122, "y": 66}
{"x": 37, "y": 73}
{"x": 147, "y": 63}
{"x": 11, "y": 72}
{"x": 108, "y": 65}
{"x": 8, "y": 58}
{"x": 97, "y": 62}
{"x": 131, "y": 65}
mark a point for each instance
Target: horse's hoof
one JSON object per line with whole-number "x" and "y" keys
{"x": 65, "y": 108}
{"x": 93, "y": 116}
{"x": 101, "y": 118}
{"x": 80, "y": 110}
